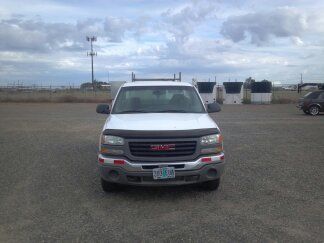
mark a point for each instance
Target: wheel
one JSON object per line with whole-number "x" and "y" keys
{"x": 109, "y": 186}
{"x": 314, "y": 110}
{"x": 306, "y": 112}
{"x": 211, "y": 185}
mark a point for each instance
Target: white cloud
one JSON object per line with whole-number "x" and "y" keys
{"x": 297, "y": 41}
{"x": 36, "y": 35}
{"x": 262, "y": 26}
{"x": 183, "y": 22}
{"x": 115, "y": 28}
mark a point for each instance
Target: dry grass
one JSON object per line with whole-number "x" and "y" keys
{"x": 283, "y": 100}
{"x": 77, "y": 96}
{"x": 62, "y": 99}
{"x": 57, "y": 97}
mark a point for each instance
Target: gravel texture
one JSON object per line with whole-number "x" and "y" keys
{"x": 272, "y": 190}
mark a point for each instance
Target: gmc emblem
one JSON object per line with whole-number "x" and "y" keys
{"x": 162, "y": 147}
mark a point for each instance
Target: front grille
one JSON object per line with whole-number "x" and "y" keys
{"x": 177, "y": 148}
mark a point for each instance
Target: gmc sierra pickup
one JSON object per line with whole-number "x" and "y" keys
{"x": 160, "y": 133}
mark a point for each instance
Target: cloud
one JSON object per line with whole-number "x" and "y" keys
{"x": 181, "y": 25}
{"x": 183, "y": 22}
{"x": 297, "y": 41}
{"x": 262, "y": 26}
{"x": 115, "y": 28}
{"x": 35, "y": 35}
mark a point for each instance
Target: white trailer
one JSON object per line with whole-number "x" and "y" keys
{"x": 233, "y": 92}
{"x": 207, "y": 91}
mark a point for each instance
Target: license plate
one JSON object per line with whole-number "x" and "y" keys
{"x": 163, "y": 173}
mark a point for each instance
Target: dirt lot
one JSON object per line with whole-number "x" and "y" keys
{"x": 273, "y": 188}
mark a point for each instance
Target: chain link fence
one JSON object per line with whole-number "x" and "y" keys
{"x": 283, "y": 94}
{"x": 286, "y": 93}
{"x": 19, "y": 93}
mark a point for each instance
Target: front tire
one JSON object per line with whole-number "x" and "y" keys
{"x": 314, "y": 110}
{"x": 211, "y": 185}
{"x": 109, "y": 186}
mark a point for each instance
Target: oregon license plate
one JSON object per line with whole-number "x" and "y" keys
{"x": 163, "y": 173}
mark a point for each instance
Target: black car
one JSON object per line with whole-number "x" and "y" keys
{"x": 312, "y": 103}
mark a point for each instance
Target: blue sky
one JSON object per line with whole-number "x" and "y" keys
{"x": 44, "y": 41}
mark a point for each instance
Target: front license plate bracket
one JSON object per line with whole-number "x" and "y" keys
{"x": 163, "y": 173}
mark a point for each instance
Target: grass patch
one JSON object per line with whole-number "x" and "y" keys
{"x": 61, "y": 99}
{"x": 283, "y": 101}
{"x": 246, "y": 101}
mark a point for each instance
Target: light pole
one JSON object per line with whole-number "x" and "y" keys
{"x": 92, "y": 53}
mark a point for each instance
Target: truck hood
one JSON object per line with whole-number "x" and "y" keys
{"x": 159, "y": 121}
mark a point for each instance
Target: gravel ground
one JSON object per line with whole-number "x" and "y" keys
{"x": 272, "y": 190}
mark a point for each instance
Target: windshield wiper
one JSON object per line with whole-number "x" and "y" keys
{"x": 132, "y": 111}
{"x": 172, "y": 111}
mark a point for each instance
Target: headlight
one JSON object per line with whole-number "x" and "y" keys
{"x": 211, "y": 139}
{"x": 112, "y": 140}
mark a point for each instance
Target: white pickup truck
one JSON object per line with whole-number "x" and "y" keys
{"x": 160, "y": 133}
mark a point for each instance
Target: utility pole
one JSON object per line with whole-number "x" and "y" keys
{"x": 301, "y": 82}
{"x": 92, "y": 53}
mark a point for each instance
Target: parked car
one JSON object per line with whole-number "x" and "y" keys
{"x": 312, "y": 103}
{"x": 157, "y": 134}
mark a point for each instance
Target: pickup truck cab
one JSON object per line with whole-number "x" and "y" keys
{"x": 159, "y": 134}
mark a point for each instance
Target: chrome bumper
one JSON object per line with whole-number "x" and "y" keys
{"x": 131, "y": 173}
{"x": 187, "y": 165}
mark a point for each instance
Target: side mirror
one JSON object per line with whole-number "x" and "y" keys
{"x": 213, "y": 107}
{"x": 103, "y": 109}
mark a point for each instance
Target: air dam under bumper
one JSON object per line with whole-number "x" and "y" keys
{"x": 141, "y": 174}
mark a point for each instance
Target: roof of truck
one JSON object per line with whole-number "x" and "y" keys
{"x": 156, "y": 83}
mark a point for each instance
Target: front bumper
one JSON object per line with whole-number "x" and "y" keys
{"x": 187, "y": 172}
{"x": 300, "y": 106}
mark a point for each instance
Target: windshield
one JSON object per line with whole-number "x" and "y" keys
{"x": 158, "y": 99}
{"x": 311, "y": 95}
